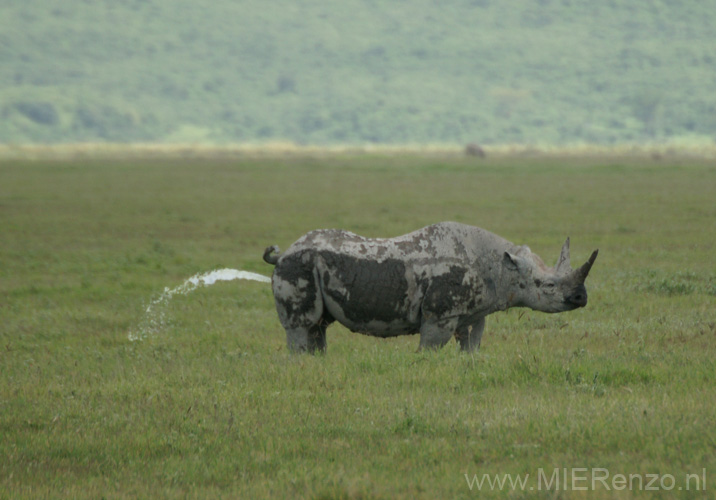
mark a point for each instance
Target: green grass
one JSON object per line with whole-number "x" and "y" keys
{"x": 213, "y": 406}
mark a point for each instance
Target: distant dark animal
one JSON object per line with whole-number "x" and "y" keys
{"x": 440, "y": 281}
{"x": 473, "y": 149}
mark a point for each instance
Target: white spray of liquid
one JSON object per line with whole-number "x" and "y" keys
{"x": 155, "y": 314}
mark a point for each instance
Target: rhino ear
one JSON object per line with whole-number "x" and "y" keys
{"x": 513, "y": 262}
{"x": 563, "y": 265}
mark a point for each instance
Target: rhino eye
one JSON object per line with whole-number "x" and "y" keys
{"x": 545, "y": 284}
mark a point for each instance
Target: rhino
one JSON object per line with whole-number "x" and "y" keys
{"x": 439, "y": 281}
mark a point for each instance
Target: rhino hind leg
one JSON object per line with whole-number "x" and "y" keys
{"x": 469, "y": 334}
{"x": 436, "y": 333}
{"x": 300, "y": 308}
{"x": 310, "y": 339}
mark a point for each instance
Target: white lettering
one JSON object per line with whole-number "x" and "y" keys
{"x": 654, "y": 478}
{"x": 602, "y": 478}
{"x": 631, "y": 481}
{"x": 671, "y": 478}
{"x": 621, "y": 480}
{"x": 475, "y": 480}
{"x": 576, "y": 478}
{"x": 521, "y": 482}
{"x": 498, "y": 482}
{"x": 699, "y": 483}
{"x": 579, "y": 480}
{"x": 548, "y": 485}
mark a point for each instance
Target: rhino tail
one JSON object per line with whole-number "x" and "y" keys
{"x": 272, "y": 259}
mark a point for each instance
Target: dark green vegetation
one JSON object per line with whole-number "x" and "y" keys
{"x": 214, "y": 406}
{"x": 524, "y": 71}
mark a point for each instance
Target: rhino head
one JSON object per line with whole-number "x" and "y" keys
{"x": 556, "y": 289}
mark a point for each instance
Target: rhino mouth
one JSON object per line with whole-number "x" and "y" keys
{"x": 577, "y": 299}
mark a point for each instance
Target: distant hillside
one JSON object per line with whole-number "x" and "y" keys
{"x": 381, "y": 71}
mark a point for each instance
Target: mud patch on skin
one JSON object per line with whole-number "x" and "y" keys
{"x": 298, "y": 306}
{"x": 292, "y": 268}
{"x": 366, "y": 290}
{"x": 459, "y": 246}
{"x": 453, "y": 292}
{"x": 294, "y": 287}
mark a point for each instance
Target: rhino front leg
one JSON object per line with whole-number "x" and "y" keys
{"x": 469, "y": 334}
{"x": 436, "y": 333}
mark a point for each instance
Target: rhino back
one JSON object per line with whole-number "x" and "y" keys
{"x": 444, "y": 241}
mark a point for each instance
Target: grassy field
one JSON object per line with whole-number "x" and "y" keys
{"x": 213, "y": 406}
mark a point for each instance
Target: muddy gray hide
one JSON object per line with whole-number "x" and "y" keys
{"x": 439, "y": 281}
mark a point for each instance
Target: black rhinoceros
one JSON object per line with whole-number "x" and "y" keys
{"x": 439, "y": 281}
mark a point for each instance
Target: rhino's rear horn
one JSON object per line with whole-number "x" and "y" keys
{"x": 583, "y": 271}
{"x": 563, "y": 266}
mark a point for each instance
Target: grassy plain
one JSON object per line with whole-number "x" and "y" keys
{"x": 213, "y": 406}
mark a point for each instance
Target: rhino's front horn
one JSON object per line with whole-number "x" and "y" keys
{"x": 583, "y": 271}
